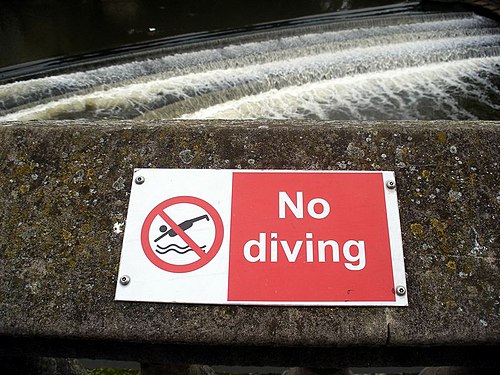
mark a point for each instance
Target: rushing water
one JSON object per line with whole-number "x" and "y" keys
{"x": 405, "y": 66}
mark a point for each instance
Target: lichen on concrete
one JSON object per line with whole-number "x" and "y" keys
{"x": 65, "y": 194}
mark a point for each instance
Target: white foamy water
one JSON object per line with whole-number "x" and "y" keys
{"x": 364, "y": 72}
{"x": 435, "y": 90}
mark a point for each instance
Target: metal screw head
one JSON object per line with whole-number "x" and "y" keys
{"x": 400, "y": 290}
{"x": 391, "y": 184}
{"x": 139, "y": 180}
{"x": 124, "y": 280}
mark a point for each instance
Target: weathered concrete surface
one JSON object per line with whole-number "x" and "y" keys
{"x": 65, "y": 189}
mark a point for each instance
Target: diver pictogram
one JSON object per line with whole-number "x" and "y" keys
{"x": 182, "y": 234}
{"x": 171, "y": 232}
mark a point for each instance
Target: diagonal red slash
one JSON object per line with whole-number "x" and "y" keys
{"x": 182, "y": 234}
{"x": 204, "y": 257}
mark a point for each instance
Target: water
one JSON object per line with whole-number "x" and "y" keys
{"x": 38, "y": 29}
{"x": 400, "y": 66}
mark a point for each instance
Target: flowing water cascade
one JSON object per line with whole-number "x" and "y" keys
{"x": 407, "y": 66}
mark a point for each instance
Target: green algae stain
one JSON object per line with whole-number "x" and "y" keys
{"x": 441, "y": 137}
{"x": 451, "y": 265}
{"x": 473, "y": 179}
{"x": 9, "y": 253}
{"x": 24, "y": 189}
{"x": 451, "y": 304}
{"x": 85, "y": 228}
{"x": 417, "y": 229}
{"x": 439, "y": 226}
{"x": 71, "y": 262}
{"x": 24, "y": 169}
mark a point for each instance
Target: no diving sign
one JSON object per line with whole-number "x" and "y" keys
{"x": 263, "y": 237}
{"x": 165, "y": 231}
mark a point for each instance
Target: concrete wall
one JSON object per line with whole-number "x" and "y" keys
{"x": 65, "y": 186}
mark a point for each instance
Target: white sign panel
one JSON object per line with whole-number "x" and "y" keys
{"x": 262, "y": 237}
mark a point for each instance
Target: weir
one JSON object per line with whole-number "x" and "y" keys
{"x": 401, "y": 66}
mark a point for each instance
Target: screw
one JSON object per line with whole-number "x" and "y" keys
{"x": 391, "y": 184}
{"x": 400, "y": 290}
{"x": 139, "y": 180}
{"x": 124, "y": 280}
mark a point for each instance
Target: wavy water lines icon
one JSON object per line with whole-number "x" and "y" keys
{"x": 173, "y": 247}
{"x": 185, "y": 225}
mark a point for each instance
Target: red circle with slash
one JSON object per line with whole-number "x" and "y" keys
{"x": 204, "y": 257}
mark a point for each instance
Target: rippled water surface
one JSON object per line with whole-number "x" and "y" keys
{"x": 426, "y": 66}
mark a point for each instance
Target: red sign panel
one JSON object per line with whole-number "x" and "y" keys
{"x": 309, "y": 237}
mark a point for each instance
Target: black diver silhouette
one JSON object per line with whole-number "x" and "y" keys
{"x": 184, "y": 226}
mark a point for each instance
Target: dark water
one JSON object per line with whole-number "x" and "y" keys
{"x": 38, "y": 29}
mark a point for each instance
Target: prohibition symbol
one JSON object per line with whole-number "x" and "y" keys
{"x": 165, "y": 223}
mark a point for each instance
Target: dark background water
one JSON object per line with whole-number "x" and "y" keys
{"x": 38, "y": 29}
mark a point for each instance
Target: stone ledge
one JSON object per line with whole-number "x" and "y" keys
{"x": 65, "y": 186}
